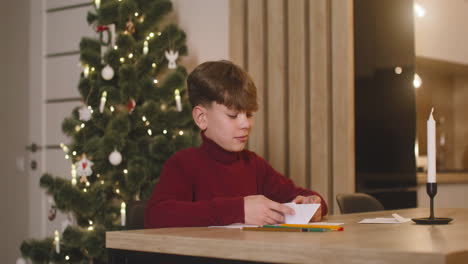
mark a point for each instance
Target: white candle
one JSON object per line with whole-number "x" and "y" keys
{"x": 122, "y": 213}
{"x": 177, "y": 99}
{"x": 145, "y": 47}
{"x": 431, "y": 149}
{"x": 57, "y": 241}
{"x": 103, "y": 101}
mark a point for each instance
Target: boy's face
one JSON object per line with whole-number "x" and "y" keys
{"x": 226, "y": 127}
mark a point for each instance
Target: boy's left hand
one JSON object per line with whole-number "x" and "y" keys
{"x": 310, "y": 200}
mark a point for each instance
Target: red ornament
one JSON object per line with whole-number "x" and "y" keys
{"x": 101, "y": 28}
{"x": 131, "y": 105}
{"x": 52, "y": 213}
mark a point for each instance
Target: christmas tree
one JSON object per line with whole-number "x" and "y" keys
{"x": 135, "y": 115}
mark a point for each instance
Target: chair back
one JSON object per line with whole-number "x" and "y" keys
{"x": 135, "y": 215}
{"x": 357, "y": 203}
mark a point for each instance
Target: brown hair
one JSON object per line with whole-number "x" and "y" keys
{"x": 224, "y": 83}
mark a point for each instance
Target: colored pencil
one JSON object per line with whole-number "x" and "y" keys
{"x": 333, "y": 227}
{"x": 285, "y": 229}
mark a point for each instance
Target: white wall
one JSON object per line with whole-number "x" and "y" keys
{"x": 14, "y": 129}
{"x": 443, "y": 32}
{"x": 206, "y": 23}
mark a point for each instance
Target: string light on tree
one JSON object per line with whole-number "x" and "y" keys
{"x": 64, "y": 147}
{"x": 90, "y": 227}
{"x": 86, "y": 71}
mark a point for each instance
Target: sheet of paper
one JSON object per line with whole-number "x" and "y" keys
{"x": 396, "y": 219}
{"x": 326, "y": 224}
{"x": 236, "y": 225}
{"x": 303, "y": 213}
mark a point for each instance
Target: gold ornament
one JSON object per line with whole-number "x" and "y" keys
{"x": 129, "y": 27}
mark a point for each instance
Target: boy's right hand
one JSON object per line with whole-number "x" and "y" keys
{"x": 259, "y": 210}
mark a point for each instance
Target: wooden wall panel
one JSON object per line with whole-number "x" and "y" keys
{"x": 276, "y": 123}
{"x": 460, "y": 96}
{"x": 237, "y": 32}
{"x": 256, "y": 67}
{"x": 342, "y": 72}
{"x": 297, "y": 92}
{"x": 320, "y": 102}
{"x": 300, "y": 54}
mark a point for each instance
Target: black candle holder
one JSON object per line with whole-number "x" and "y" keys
{"x": 431, "y": 189}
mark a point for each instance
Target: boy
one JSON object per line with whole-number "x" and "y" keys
{"x": 221, "y": 183}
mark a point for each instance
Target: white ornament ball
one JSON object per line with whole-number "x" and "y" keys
{"x": 20, "y": 261}
{"x": 115, "y": 158}
{"x": 107, "y": 72}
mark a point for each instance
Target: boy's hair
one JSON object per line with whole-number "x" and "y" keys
{"x": 222, "y": 82}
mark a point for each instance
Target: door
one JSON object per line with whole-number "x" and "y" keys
{"x": 57, "y": 27}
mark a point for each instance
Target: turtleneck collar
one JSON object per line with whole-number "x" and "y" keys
{"x": 216, "y": 152}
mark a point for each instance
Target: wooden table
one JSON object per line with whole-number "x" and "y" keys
{"x": 359, "y": 243}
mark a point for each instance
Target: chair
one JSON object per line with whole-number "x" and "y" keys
{"x": 135, "y": 217}
{"x": 357, "y": 203}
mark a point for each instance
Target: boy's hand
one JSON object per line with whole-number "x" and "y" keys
{"x": 260, "y": 210}
{"x": 310, "y": 200}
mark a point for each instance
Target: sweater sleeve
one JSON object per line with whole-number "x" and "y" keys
{"x": 279, "y": 188}
{"x": 171, "y": 203}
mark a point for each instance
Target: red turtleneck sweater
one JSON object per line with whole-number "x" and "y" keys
{"x": 206, "y": 186}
